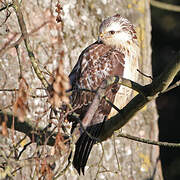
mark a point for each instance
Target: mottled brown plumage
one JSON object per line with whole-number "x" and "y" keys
{"x": 115, "y": 53}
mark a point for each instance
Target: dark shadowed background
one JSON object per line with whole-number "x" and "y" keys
{"x": 165, "y": 45}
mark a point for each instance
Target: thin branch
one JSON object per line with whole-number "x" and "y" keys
{"x": 100, "y": 161}
{"x": 19, "y": 61}
{"x": 14, "y": 172}
{"x": 36, "y": 134}
{"x": 10, "y": 90}
{"x": 15, "y": 146}
{"x": 8, "y": 13}
{"x": 175, "y": 85}
{"x": 72, "y": 147}
{"x": 6, "y": 107}
{"x": 115, "y": 151}
{"x": 144, "y": 74}
{"x": 148, "y": 141}
{"x": 10, "y": 45}
{"x": 165, "y": 6}
{"x": 83, "y": 128}
{"x": 112, "y": 105}
{"x": 24, "y": 148}
{"x": 5, "y": 7}
{"x": 150, "y": 92}
{"x": 87, "y": 90}
{"x": 34, "y": 61}
{"x": 38, "y": 96}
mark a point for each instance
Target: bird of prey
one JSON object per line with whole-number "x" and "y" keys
{"x": 115, "y": 52}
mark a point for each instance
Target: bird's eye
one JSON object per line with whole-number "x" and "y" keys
{"x": 112, "y": 32}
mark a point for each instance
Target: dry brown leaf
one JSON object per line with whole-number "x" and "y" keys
{"x": 4, "y": 125}
{"x": 60, "y": 86}
{"x": 4, "y": 129}
{"x": 20, "y": 106}
{"x": 46, "y": 170}
{"x": 59, "y": 143}
{"x": 58, "y": 10}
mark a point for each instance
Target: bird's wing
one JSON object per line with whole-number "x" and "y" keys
{"x": 76, "y": 71}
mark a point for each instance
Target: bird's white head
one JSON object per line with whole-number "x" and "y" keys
{"x": 116, "y": 31}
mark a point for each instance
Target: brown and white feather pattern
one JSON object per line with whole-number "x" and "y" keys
{"x": 110, "y": 55}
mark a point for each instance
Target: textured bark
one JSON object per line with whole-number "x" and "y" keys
{"x": 121, "y": 158}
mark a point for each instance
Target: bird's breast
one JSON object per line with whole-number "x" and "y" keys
{"x": 130, "y": 72}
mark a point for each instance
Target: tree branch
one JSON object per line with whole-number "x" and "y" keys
{"x": 38, "y": 135}
{"x": 175, "y": 85}
{"x": 148, "y": 141}
{"x": 34, "y": 61}
{"x": 165, "y": 6}
{"x": 6, "y": 6}
{"x": 150, "y": 91}
{"x": 8, "y": 45}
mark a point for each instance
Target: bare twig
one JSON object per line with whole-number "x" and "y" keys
{"x": 24, "y": 148}
{"x": 165, "y": 6}
{"x": 145, "y": 74}
{"x": 19, "y": 61}
{"x": 87, "y": 90}
{"x": 112, "y": 105}
{"x": 16, "y": 145}
{"x": 6, "y": 6}
{"x": 6, "y": 107}
{"x": 148, "y": 141}
{"x": 29, "y": 128}
{"x": 72, "y": 144}
{"x": 85, "y": 131}
{"x": 37, "y": 96}
{"x": 17, "y": 169}
{"x": 34, "y": 61}
{"x": 100, "y": 161}
{"x": 8, "y": 13}
{"x": 175, "y": 85}
{"x": 115, "y": 151}
{"x": 10, "y": 90}
{"x": 10, "y": 45}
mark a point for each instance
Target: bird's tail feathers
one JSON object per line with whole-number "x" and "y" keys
{"x": 84, "y": 146}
